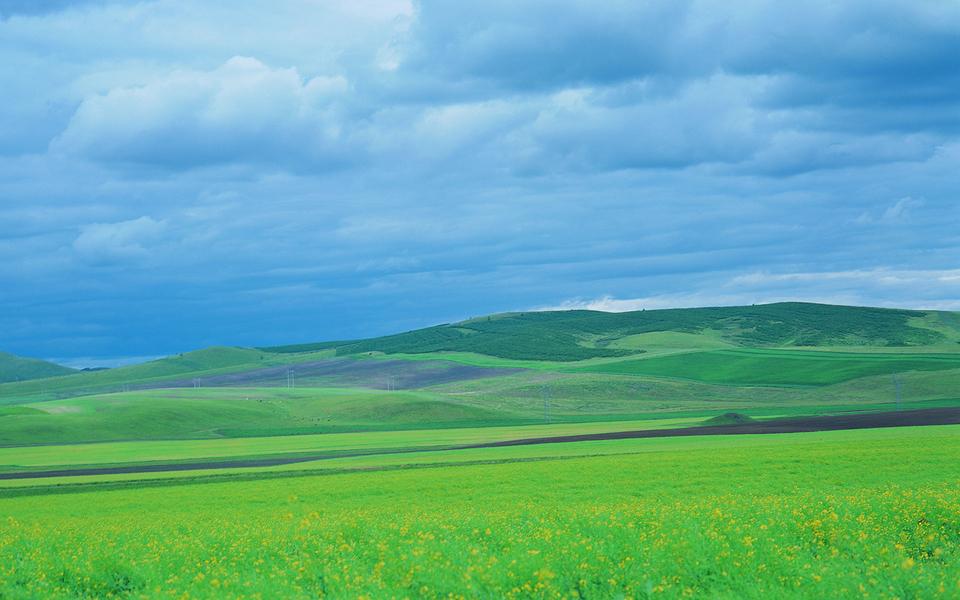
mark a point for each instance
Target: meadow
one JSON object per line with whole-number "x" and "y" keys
{"x": 364, "y": 469}
{"x": 753, "y": 366}
{"x": 527, "y": 397}
{"x": 848, "y": 514}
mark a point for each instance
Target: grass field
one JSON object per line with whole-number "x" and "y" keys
{"x": 346, "y": 469}
{"x": 849, "y": 514}
{"x": 752, "y": 366}
{"x": 186, "y": 366}
{"x": 518, "y": 399}
{"x": 18, "y": 368}
{"x": 579, "y": 335}
{"x": 134, "y": 452}
{"x": 233, "y": 412}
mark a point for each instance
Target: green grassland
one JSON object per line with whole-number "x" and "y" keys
{"x": 848, "y": 514}
{"x": 186, "y": 366}
{"x": 235, "y": 412}
{"x": 384, "y": 500}
{"x": 581, "y": 335}
{"x": 326, "y": 446}
{"x": 527, "y": 397}
{"x": 18, "y": 368}
{"x": 779, "y": 367}
{"x": 731, "y": 342}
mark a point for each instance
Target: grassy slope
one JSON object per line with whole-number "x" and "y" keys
{"x": 609, "y": 526}
{"x": 18, "y": 368}
{"x": 544, "y": 340}
{"x": 580, "y": 335}
{"x": 779, "y": 367}
{"x": 209, "y": 361}
{"x": 518, "y": 399}
{"x": 233, "y": 412}
{"x": 689, "y": 373}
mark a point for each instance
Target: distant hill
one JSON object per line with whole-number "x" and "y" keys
{"x": 18, "y": 368}
{"x": 648, "y": 343}
{"x": 580, "y": 334}
{"x": 217, "y": 359}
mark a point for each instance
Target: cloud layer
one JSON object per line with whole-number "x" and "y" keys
{"x": 175, "y": 174}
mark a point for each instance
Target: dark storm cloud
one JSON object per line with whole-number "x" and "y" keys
{"x": 175, "y": 174}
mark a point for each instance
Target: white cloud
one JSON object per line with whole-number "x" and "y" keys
{"x": 105, "y": 243}
{"x": 935, "y": 289}
{"x": 611, "y": 304}
{"x": 242, "y": 111}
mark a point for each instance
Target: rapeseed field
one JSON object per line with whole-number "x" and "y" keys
{"x": 871, "y": 514}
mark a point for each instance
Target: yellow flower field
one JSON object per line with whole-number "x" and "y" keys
{"x": 881, "y": 519}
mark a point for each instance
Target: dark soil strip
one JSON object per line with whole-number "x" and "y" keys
{"x": 930, "y": 416}
{"x": 906, "y": 418}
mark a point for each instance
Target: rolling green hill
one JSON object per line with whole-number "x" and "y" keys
{"x": 18, "y": 368}
{"x": 587, "y": 365}
{"x": 233, "y": 412}
{"x": 778, "y": 367}
{"x": 188, "y": 365}
{"x": 579, "y": 335}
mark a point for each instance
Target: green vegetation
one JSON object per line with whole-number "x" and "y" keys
{"x": 778, "y": 367}
{"x": 707, "y": 345}
{"x": 322, "y": 446}
{"x": 848, "y": 514}
{"x": 581, "y": 335}
{"x": 336, "y": 488}
{"x": 730, "y": 418}
{"x": 235, "y": 412}
{"x": 18, "y": 368}
{"x": 517, "y": 399}
{"x": 180, "y": 367}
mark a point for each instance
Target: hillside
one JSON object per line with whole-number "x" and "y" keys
{"x": 715, "y": 343}
{"x": 579, "y": 335}
{"x": 183, "y": 366}
{"x": 18, "y": 368}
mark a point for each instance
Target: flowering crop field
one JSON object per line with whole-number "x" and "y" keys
{"x": 858, "y": 514}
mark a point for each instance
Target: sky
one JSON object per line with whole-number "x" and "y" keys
{"x": 177, "y": 174}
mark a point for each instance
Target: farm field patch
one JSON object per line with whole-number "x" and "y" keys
{"x": 848, "y": 509}
{"x": 778, "y": 367}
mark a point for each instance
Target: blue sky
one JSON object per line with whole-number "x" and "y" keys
{"x": 176, "y": 174}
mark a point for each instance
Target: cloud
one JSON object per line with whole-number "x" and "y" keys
{"x": 898, "y": 212}
{"x": 110, "y": 243}
{"x": 919, "y": 289}
{"x": 615, "y": 305}
{"x": 243, "y": 111}
{"x": 546, "y": 45}
{"x": 301, "y": 170}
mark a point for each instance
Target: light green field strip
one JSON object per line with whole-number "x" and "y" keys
{"x": 940, "y": 434}
{"x": 749, "y": 366}
{"x": 186, "y": 450}
{"x": 662, "y": 344}
{"x": 622, "y": 467}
